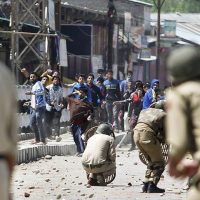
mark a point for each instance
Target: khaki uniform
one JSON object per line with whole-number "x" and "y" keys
{"x": 8, "y": 129}
{"x": 99, "y": 155}
{"x": 150, "y": 124}
{"x": 183, "y": 125}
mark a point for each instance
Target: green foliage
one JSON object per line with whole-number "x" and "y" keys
{"x": 184, "y": 6}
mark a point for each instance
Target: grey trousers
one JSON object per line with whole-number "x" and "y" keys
{"x": 112, "y": 113}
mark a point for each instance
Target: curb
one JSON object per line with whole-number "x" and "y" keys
{"x": 35, "y": 152}
{"x": 28, "y": 136}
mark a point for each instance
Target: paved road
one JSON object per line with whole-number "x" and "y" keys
{"x": 62, "y": 177}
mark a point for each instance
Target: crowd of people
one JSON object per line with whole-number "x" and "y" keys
{"x": 154, "y": 120}
{"x": 45, "y": 104}
{"x": 174, "y": 121}
{"x": 107, "y": 98}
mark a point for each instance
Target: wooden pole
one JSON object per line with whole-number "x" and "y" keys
{"x": 158, "y": 39}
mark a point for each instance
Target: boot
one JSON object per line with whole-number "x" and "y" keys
{"x": 145, "y": 187}
{"x": 152, "y": 188}
{"x": 92, "y": 182}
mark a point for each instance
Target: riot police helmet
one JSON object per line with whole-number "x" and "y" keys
{"x": 105, "y": 129}
{"x": 159, "y": 104}
{"x": 183, "y": 64}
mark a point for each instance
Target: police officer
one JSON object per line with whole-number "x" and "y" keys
{"x": 183, "y": 108}
{"x": 8, "y": 131}
{"x": 99, "y": 155}
{"x": 148, "y": 135}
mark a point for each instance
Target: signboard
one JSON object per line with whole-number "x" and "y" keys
{"x": 97, "y": 63}
{"x": 141, "y": 41}
{"x": 144, "y": 42}
{"x": 134, "y": 57}
{"x": 145, "y": 53}
{"x": 63, "y": 53}
{"x": 51, "y": 14}
{"x": 115, "y": 70}
{"x": 168, "y": 42}
{"x": 127, "y": 23}
{"x": 170, "y": 28}
{"x": 115, "y": 36}
{"x": 138, "y": 71}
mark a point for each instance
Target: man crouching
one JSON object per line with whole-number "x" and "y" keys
{"x": 148, "y": 136}
{"x": 99, "y": 157}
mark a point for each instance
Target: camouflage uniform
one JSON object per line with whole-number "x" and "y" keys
{"x": 8, "y": 131}
{"x": 149, "y": 126}
{"x": 183, "y": 110}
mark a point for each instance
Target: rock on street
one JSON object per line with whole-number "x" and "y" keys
{"x": 62, "y": 177}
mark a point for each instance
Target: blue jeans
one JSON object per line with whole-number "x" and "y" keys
{"x": 77, "y": 132}
{"x": 36, "y": 123}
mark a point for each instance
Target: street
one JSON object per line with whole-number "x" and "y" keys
{"x": 62, "y": 177}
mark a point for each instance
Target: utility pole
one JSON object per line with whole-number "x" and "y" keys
{"x": 35, "y": 13}
{"x": 57, "y": 15}
{"x": 111, "y": 17}
{"x": 158, "y": 5}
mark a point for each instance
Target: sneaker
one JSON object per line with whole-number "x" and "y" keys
{"x": 58, "y": 138}
{"x": 152, "y": 188}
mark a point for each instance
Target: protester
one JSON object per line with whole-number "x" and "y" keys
{"x": 124, "y": 83}
{"x": 32, "y": 78}
{"x": 80, "y": 109}
{"x": 49, "y": 73}
{"x": 134, "y": 109}
{"x": 68, "y": 85}
{"x": 37, "y": 111}
{"x": 146, "y": 86}
{"x": 112, "y": 94}
{"x": 94, "y": 95}
{"x": 100, "y": 74}
{"x": 80, "y": 83}
{"x": 102, "y": 109}
{"x": 55, "y": 106}
{"x": 151, "y": 94}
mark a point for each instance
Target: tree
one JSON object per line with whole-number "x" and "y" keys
{"x": 184, "y": 6}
